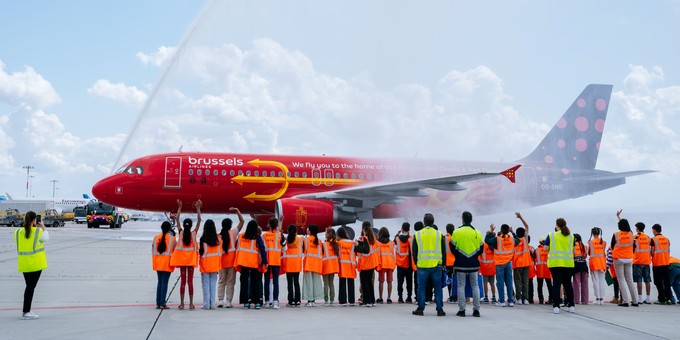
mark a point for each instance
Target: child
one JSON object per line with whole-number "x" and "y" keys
{"x": 185, "y": 255}
{"x": 348, "y": 268}
{"x": 251, "y": 258}
{"x": 404, "y": 268}
{"x": 292, "y": 264}
{"x": 580, "y": 271}
{"x": 598, "y": 263}
{"x": 450, "y": 259}
{"x": 487, "y": 269}
{"x": 161, "y": 251}
{"x": 521, "y": 262}
{"x": 227, "y": 276}
{"x": 210, "y": 251}
{"x": 312, "y": 268}
{"x": 369, "y": 260}
{"x": 543, "y": 273}
{"x": 330, "y": 266}
{"x": 388, "y": 260}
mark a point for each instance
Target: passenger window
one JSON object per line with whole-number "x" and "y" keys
{"x": 344, "y": 175}
{"x": 280, "y": 173}
{"x": 232, "y": 173}
{"x": 337, "y": 175}
{"x": 376, "y": 176}
{"x": 215, "y": 172}
{"x": 296, "y": 174}
{"x": 191, "y": 172}
{"x": 129, "y": 170}
{"x": 288, "y": 174}
{"x": 361, "y": 176}
{"x": 240, "y": 172}
{"x": 368, "y": 176}
{"x": 272, "y": 173}
{"x": 224, "y": 173}
{"x": 257, "y": 173}
{"x": 354, "y": 176}
{"x": 248, "y": 173}
{"x": 304, "y": 174}
{"x": 199, "y": 172}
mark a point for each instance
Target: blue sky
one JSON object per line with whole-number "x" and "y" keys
{"x": 482, "y": 80}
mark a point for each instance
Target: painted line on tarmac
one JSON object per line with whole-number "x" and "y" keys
{"x": 86, "y": 307}
{"x": 621, "y": 326}
{"x": 161, "y": 311}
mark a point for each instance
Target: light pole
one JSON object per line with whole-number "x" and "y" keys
{"x": 28, "y": 173}
{"x": 54, "y": 187}
{"x": 30, "y": 191}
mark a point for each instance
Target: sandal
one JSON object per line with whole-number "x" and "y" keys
{"x": 181, "y": 306}
{"x": 192, "y": 307}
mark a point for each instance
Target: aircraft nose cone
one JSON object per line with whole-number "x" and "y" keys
{"x": 103, "y": 190}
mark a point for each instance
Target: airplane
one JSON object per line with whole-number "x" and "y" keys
{"x": 330, "y": 191}
{"x": 61, "y": 205}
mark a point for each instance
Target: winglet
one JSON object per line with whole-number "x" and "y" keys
{"x": 510, "y": 173}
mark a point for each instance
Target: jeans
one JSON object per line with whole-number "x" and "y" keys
{"x": 209, "y": 285}
{"x": 162, "y": 288}
{"x": 435, "y": 276}
{"x": 251, "y": 285}
{"x": 461, "y": 289}
{"x": 675, "y": 282}
{"x": 404, "y": 274}
{"x": 272, "y": 271}
{"x": 504, "y": 279}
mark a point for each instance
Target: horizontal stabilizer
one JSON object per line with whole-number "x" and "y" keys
{"x": 611, "y": 175}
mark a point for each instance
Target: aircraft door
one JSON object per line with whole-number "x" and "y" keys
{"x": 328, "y": 178}
{"x": 173, "y": 172}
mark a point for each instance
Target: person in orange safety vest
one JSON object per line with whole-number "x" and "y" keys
{"x": 661, "y": 261}
{"x": 330, "y": 266}
{"x": 388, "y": 262}
{"x": 161, "y": 250}
{"x": 226, "y": 280}
{"x": 210, "y": 251}
{"x": 402, "y": 244}
{"x": 185, "y": 255}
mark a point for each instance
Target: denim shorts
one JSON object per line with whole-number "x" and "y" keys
{"x": 641, "y": 273}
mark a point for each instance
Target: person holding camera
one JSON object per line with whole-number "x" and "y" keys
{"x": 31, "y": 259}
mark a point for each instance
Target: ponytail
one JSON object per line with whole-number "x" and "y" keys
{"x": 28, "y": 223}
{"x": 186, "y": 236}
{"x": 162, "y": 246}
{"x": 226, "y": 227}
{"x": 562, "y": 223}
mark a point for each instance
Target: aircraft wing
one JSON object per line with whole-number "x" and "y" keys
{"x": 612, "y": 175}
{"x": 371, "y": 196}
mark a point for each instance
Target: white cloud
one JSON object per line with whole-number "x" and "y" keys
{"x": 26, "y": 89}
{"x": 120, "y": 92}
{"x": 157, "y": 58}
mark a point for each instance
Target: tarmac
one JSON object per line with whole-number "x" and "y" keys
{"x": 100, "y": 285}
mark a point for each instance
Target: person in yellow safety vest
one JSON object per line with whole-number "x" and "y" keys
{"x": 560, "y": 246}
{"x": 428, "y": 250}
{"x": 623, "y": 246}
{"x": 467, "y": 244}
{"x": 661, "y": 261}
{"x": 273, "y": 241}
{"x": 185, "y": 255}
{"x": 31, "y": 259}
{"x": 227, "y": 276}
{"x": 521, "y": 263}
{"x": 161, "y": 250}
{"x": 504, "y": 249}
{"x": 402, "y": 243}
{"x": 210, "y": 251}
{"x": 388, "y": 262}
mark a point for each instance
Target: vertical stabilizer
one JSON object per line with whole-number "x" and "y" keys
{"x": 574, "y": 141}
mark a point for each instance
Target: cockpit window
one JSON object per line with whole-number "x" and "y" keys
{"x": 123, "y": 168}
{"x": 139, "y": 170}
{"x": 130, "y": 170}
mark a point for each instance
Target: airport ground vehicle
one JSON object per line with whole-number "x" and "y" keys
{"x": 100, "y": 213}
{"x": 80, "y": 214}
{"x": 51, "y": 218}
{"x": 11, "y": 218}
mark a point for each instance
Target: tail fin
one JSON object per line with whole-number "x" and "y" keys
{"x": 574, "y": 141}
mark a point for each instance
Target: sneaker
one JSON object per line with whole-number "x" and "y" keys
{"x": 400, "y": 300}
{"x": 475, "y": 313}
{"x": 297, "y": 303}
{"x": 228, "y": 305}
{"x": 380, "y": 301}
{"x": 500, "y": 304}
{"x": 659, "y": 303}
{"x": 441, "y": 312}
{"x": 635, "y": 305}
{"x": 275, "y": 305}
{"x": 485, "y": 300}
{"x": 556, "y": 310}
{"x": 418, "y": 312}
{"x": 511, "y": 304}
{"x": 623, "y": 304}
{"x": 647, "y": 301}
{"x": 408, "y": 300}
{"x": 246, "y": 306}
{"x": 220, "y": 303}
{"x": 309, "y": 304}
{"x": 389, "y": 301}
{"x": 525, "y": 302}
{"x": 493, "y": 299}
{"x": 290, "y": 304}
{"x": 614, "y": 300}
{"x": 268, "y": 305}
{"x": 257, "y": 306}
{"x": 669, "y": 303}
{"x": 461, "y": 313}
{"x": 29, "y": 316}
{"x": 325, "y": 303}
{"x": 572, "y": 309}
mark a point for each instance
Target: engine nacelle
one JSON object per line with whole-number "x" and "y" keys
{"x": 303, "y": 212}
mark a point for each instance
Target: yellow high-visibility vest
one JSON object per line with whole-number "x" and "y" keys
{"x": 429, "y": 243}
{"x": 31, "y": 251}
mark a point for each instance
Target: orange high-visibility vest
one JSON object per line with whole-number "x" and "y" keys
{"x": 185, "y": 256}
{"x": 450, "y": 258}
{"x": 388, "y": 258}
{"x": 521, "y": 257}
{"x": 642, "y": 254}
{"x": 272, "y": 244}
{"x": 598, "y": 259}
{"x": 542, "y": 270}
{"x": 313, "y": 256}
{"x": 579, "y": 251}
{"x": 161, "y": 261}
{"x": 623, "y": 249}
{"x": 247, "y": 254}
{"x": 532, "y": 267}
{"x": 347, "y": 260}
{"x": 662, "y": 251}
{"x": 229, "y": 257}
{"x": 403, "y": 253}
{"x": 211, "y": 260}
{"x": 674, "y": 260}
{"x": 505, "y": 249}
{"x": 487, "y": 264}
{"x": 330, "y": 260}
{"x": 292, "y": 258}
{"x": 371, "y": 260}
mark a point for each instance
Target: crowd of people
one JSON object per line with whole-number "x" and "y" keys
{"x": 425, "y": 261}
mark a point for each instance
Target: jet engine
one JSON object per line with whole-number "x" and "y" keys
{"x": 303, "y": 212}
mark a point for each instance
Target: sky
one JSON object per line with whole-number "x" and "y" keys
{"x": 88, "y": 85}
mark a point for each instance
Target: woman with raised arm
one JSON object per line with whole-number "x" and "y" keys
{"x": 185, "y": 255}
{"x": 227, "y": 276}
